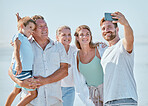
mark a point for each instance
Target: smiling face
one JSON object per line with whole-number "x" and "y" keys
{"x": 41, "y": 31}
{"x": 84, "y": 36}
{"x": 64, "y": 36}
{"x": 28, "y": 29}
{"x": 109, "y": 32}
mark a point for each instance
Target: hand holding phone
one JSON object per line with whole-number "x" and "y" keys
{"x": 108, "y": 17}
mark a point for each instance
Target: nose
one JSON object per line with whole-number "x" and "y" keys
{"x": 44, "y": 27}
{"x": 106, "y": 29}
{"x": 67, "y": 36}
{"x": 85, "y": 35}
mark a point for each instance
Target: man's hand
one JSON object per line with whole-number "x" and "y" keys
{"x": 103, "y": 44}
{"x": 121, "y": 18}
{"x": 39, "y": 81}
{"x": 128, "y": 32}
{"x": 29, "y": 83}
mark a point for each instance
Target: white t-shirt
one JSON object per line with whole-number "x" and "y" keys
{"x": 119, "y": 79}
{"x": 68, "y": 81}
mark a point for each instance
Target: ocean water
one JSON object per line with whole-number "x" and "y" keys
{"x": 140, "y": 72}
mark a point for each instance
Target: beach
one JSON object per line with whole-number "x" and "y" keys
{"x": 140, "y": 72}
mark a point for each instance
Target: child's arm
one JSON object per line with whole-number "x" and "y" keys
{"x": 17, "y": 44}
{"x": 27, "y": 83}
{"x": 18, "y": 17}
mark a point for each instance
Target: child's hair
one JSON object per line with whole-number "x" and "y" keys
{"x": 24, "y": 21}
{"x": 60, "y": 28}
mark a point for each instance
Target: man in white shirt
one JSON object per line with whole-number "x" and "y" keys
{"x": 117, "y": 62}
{"x": 50, "y": 66}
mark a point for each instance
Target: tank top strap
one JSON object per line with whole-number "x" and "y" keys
{"x": 95, "y": 51}
{"x": 78, "y": 55}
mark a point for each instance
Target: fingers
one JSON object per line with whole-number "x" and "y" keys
{"x": 35, "y": 77}
{"x": 38, "y": 85}
{"x": 34, "y": 85}
{"x": 19, "y": 71}
{"x": 117, "y": 15}
{"x": 16, "y": 73}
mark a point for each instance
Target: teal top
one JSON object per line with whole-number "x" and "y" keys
{"x": 92, "y": 71}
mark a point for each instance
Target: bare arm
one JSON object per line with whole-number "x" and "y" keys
{"x": 17, "y": 44}
{"x": 128, "y": 32}
{"x": 26, "y": 83}
{"x": 18, "y": 17}
{"x": 56, "y": 76}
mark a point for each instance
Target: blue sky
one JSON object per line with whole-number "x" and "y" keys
{"x": 72, "y": 13}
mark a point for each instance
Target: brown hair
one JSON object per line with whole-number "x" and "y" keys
{"x": 24, "y": 21}
{"x": 91, "y": 44}
{"x": 103, "y": 20}
{"x": 60, "y": 28}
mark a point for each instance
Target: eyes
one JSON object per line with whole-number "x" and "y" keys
{"x": 64, "y": 35}
{"x": 42, "y": 26}
{"x": 107, "y": 27}
{"x": 87, "y": 34}
{"x": 32, "y": 27}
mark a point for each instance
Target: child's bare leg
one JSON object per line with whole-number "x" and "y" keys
{"x": 12, "y": 96}
{"x": 30, "y": 96}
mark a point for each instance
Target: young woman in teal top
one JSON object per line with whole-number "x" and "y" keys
{"x": 88, "y": 63}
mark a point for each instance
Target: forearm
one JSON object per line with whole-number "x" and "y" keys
{"x": 58, "y": 75}
{"x": 17, "y": 57}
{"x": 28, "y": 83}
{"x": 13, "y": 77}
{"x": 17, "y": 51}
{"x": 128, "y": 38}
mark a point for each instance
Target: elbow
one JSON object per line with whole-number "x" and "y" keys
{"x": 66, "y": 73}
{"x": 10, "y": 70}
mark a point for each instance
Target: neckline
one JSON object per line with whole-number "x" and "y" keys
{"x": 90, "y": 61}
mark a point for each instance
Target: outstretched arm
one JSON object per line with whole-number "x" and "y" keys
{"x": 18, "y": 17}
{"x": 128, "y": 32}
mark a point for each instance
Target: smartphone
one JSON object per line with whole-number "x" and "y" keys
{"x": 108, "y": 17}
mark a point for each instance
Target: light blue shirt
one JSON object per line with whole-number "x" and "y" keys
{"x": 26, "y": 53}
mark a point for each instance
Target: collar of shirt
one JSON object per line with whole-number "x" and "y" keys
{"x": 50, "y": 44}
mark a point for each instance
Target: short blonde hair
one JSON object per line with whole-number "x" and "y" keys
{"x": 91, "y": 44}
{"x": 60, "y": 28}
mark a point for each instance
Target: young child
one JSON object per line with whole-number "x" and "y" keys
{"x": 22, "y": 67}
{"x": 63, "y": 35}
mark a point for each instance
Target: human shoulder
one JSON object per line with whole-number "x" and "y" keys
{"x": 122, "y": 48}
{"x": 58, "y": 44}
{"x": 73, "y": 48}
{"x": 20, "y": 37}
